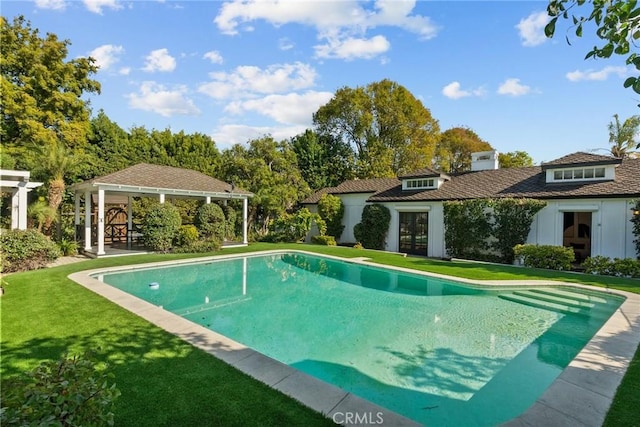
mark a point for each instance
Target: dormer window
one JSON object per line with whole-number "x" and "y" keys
{"x": 581, "y": 174}
{"x": 418, "y": 184}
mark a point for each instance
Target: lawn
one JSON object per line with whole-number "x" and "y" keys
{"x": 165, "y": 381}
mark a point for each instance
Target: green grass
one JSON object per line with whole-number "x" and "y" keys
{"x": 165, "y": 381}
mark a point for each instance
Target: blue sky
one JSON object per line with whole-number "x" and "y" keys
{"x": 240, "y": 69}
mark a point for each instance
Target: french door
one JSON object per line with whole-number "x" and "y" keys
{"x": 413, "y": 233}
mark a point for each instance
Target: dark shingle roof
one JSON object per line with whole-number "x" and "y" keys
{"x": 425, "y": 172}
{"x": 372, "y": 185}
{"x": 166, "y": 177}
{"x": 581, "y": 159}
{"x": 512, "y": 182}
{"x": 522, "y": 182}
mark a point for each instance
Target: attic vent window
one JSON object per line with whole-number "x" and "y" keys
{"x": 416, "y": 184}
{"x": 484, "y": 157}
{"x": 580, "y": 174}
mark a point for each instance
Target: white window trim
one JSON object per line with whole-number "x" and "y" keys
{"x": 609, "y": 174}
{"x": 433, "y": 181}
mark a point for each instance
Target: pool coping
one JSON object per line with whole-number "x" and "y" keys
{"x": 580, "y": 396}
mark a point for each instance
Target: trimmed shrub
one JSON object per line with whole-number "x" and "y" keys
{"x": 187, "y": 235}
{"x": 467, "y": 228}
{"x": 635, "y": 220}
{"x": 210, "y": 244}
{"x": 160, "y": 226}
{"x": 331, "y": 210}
{"x": 71, "y": 391}
{"x": 294, "y": 227}
{"x": 598, "y": 265}
{"x": 372, "y": 229}
{"x": 230, "y": 222}
{"x": 210, "y": 221}
{"x": 545, "y": 256}
{"x": 621, "y": 267}
{"x": 324, "y": 240}
{"x": 23, "y": 250}
{"x": 512, "y": 223}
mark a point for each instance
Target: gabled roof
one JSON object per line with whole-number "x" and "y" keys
{"x": 513, "y": 182}
{"x": 581, "y": 159}
{"x": 353, "y": 186}
{"x": 144, "y": 176}
{"x": 424, "y": 173}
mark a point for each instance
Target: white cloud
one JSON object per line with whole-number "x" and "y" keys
{"x": 157, "y": 98}
{"x": 106, "y": 55}
{"x": 51, "y": 4}
{"x": 285, "y": 44}
{"x": 227, "y": 135}
{"x": 125, "y": 71}
{"x": 213, "y": 56}
{"x": 531, "y": 29}
{"x": 159, "y": 60}
{"x": 454, "y": 91}
{"x": 342, "y": 24}
{"x": 576, "y": 76}
{"x": 96, "y": 6}
{"x": 247, "y": 80}
{"x": 350, "y": 48}
{"x": 513, "y": 87}
{"x": 292, "y": 108}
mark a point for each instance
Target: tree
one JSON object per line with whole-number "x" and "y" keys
{"x": 389, "y": 131}
{"x": 269, "y": 170}
{"x": 454, "y": 148}
{"x": 623, "y": 136}
{"x": 56, "y": 162}
{"x": 323, "y": 160}
{"x": 514, "y": 159}
{"x": 617, "y": 23}
{"x": 42, "y": 100}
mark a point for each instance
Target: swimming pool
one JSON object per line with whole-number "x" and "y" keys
{"x": 438, "y": 352}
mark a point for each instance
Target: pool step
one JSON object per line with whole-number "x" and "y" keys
{"x": 554, "y": 298}
{"x": 532, "y": 301}
{"x": 562, "y": 293}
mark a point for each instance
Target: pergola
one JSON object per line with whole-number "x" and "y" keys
{"x": 151, "y": 181}
{"x": 17, "y": 183}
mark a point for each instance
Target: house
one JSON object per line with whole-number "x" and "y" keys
{"x": 589, "y": 202}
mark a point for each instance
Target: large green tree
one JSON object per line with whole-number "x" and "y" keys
{"x": 514, "y": 159}
{"x": 389, "y": 130}
{"x": 42, "y": 92}
{"x": 269, "y": 170}
{"x": 623, "y": 136}
{"x": 616, "y": 22}
{"x": 454, "y": 148}
{"x": 324, "y": 161}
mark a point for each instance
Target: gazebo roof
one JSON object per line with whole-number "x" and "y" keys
{"x": 145, "y": 178}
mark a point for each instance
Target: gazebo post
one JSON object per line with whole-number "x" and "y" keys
{"x": 100, "y": 222}
{"x": 76, "y": 216}
{"x": 19, "y": 207}
{"x": 245, "y": 209}
{"x": 87, "y": 221}
{"x": 129, "y": 221}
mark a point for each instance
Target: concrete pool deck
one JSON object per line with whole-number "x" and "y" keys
{"x": 580, "y": 396}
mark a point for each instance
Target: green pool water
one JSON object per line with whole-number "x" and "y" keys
{"x": 438, "y": 352}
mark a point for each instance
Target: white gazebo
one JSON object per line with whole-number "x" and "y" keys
{"x": 18, "y": 184}
{"x": 151, "y": 181}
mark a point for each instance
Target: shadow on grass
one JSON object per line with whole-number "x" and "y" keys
{"x": 167, "y": 382}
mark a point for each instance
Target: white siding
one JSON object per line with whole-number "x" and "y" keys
{"x": 611, "y": 230}
{"x": 353, "y": 206}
